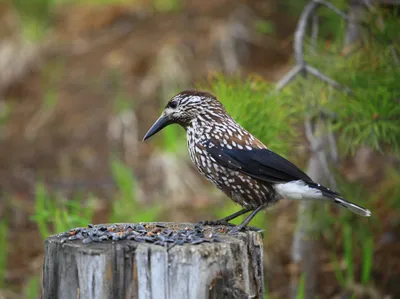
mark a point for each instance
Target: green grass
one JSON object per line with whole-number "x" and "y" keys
{"x": 126, "y": 207}
{"x": 173, "y": 139}
{"x": 348, "y": 252}
{"x": 3, "y": 250}
{"x": 368, "y": 258}
{"x": 363, "y": 238}
{"x": 301, "y": 291}
{"x": 32, "y": 288}
{"x": 356, "y": 235}
{"x": 42, "y": 214}
{"x": 55, "y": 214}
{"x": 264, "y": 26}
{"x": 259, "y": 108}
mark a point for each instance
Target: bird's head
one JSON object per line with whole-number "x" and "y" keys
{"x": 186, "y": 107}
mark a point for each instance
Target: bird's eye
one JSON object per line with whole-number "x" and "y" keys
{"x": 173, "y": 105}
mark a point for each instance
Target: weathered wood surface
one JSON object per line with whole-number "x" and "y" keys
{"x": 128, "y": 269}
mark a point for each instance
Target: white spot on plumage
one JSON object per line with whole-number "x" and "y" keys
{"x": 248, "y": 148}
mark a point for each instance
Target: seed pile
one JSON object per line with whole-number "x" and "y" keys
{"x": 158, "y": 234}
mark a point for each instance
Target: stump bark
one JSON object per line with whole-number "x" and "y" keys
{"x": 128, "y": 269}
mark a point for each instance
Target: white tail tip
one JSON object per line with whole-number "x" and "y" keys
{"x": 353, "y": 207}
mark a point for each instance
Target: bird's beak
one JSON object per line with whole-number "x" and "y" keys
{"x": 160, "y": 124}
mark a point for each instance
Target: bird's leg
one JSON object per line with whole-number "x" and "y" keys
{"x": 248, "y": 219}
{"x": 225, "y": 221}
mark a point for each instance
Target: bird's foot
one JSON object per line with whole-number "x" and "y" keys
{"x": 235, "y": 230}
{"x": 216, "y": 222}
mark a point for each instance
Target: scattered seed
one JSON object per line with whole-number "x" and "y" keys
{"x": 156, "y": 230}
{"x": 142, "y": 232}
{"x": 87, "y": 240}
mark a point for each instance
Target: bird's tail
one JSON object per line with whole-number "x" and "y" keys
{"x": 352, "y": 207}
{"x": 332, "y": 195}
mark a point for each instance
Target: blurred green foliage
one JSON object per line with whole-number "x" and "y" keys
{"x": 3, "y": 250}
{"x": 259, "y": 108}
{"x": 126, "y": 207}
{"x": 167, "y": 5}
{"x": 36, "y": 16}
{"x": 173, "y": 138}
{"x": 56, "y": 214}
{"x": 370, "y": 115}
{"x": 301, "y": 291}
{"x": 32, "y": 289}
{"x": 264, "y": 26}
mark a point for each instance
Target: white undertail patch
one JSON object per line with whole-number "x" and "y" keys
{"x": 298, "y": 190}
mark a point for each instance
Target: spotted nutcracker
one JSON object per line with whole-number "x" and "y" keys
{"x": 235, "y": 161}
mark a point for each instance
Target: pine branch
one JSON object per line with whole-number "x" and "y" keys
{"x": 289, "y": 76}
{"x": 299, "y": 36}
{"x": 326, "y": 79}
{"x": 334, "y": 9}
{"x": 314, "y": 32}
{"x": 395, "y": 55}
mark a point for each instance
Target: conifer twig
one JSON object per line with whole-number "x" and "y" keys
{"x": 395, "y": 55}
{"x": 289, "y": 76}
{"x": 299, "y": 35}
{"x": 334, "y": 9}
{"x": 314, "y": 32}
{"x": 333, "y": 147}
{"x": 326, "y": 79}
{"x": 309, "y": 134}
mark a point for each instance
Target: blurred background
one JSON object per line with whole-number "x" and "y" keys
{"x": 82, "y": 81}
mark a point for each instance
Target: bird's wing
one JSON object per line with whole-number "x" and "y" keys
{"x": 261, "y": 164}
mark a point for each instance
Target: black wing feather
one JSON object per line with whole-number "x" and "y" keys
{"x": 262, "y": 164}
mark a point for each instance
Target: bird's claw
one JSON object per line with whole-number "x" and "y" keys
{"x": 215, "y": 222}
{"x": 235, "y": 230}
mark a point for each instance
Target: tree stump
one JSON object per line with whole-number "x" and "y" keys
{"x": 231, "y": 268}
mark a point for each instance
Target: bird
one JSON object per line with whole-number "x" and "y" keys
{"x": 237, "y": 162}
